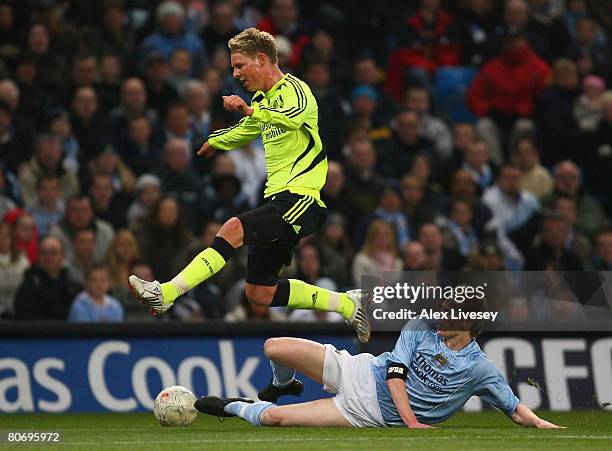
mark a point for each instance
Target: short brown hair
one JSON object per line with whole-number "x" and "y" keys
{"x": 253, "y": 41}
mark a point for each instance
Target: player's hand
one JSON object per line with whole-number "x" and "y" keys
{"x": 236, "y": 103}
{"x": 206, "y": 150}
{"x": 417, "y": 425}
{"x": 543, "y": 424}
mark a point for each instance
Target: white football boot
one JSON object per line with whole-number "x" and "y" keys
{"x": 149, "y": 294}
{"x": 359, "y": 318}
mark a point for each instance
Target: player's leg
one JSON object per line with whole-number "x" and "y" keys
{"x": 160, "y": 297}
{"x": 286, "y": 356}
{"x": 319, "y": 413}
{"x": 263, "y": 287}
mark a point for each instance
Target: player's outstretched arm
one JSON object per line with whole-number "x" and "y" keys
{"x": 397, "y": 387}
{"x": 524, "y": 416}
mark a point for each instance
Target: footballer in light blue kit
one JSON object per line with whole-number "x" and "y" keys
{"x": 429, "y": 375}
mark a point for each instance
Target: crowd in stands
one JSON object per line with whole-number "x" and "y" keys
{"x": 103, "y": 105}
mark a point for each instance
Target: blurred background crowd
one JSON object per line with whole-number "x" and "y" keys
{"x": 468, "y": 134}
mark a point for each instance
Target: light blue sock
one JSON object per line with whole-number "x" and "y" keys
{"x": 281, "y": 375}
{"x": 248, "y": 412}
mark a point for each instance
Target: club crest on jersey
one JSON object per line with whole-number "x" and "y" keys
{"x": 278, "y": 102}
{"x": 440, "y": 360}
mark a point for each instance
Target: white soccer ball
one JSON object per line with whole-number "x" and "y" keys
{"x": 174, "y": 406}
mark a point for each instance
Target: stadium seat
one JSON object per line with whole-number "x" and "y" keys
{"x": 451, "y": 86}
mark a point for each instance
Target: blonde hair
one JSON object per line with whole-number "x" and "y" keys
{"x": 373, "y": 230}
{"x": 253, "y": 41}
{"x": 111, "y": 255}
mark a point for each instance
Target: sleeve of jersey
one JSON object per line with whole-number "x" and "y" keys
{"x": 296, "y": 107}
{"x": 495, "y": 391}
{"x": 244, "y": 131}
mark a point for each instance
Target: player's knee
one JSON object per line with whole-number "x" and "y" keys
{"x": 260, "y": 295}
{"x": 232, "y": 231}
{"x": 273, "y": 347}
{"x": 272, "y": 416}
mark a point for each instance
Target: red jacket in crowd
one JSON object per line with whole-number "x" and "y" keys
{"x": 425, "y": 48}
{"x": 509, "y": 84}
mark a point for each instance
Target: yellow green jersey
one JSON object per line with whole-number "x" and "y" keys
{"x": 286, "y": 117}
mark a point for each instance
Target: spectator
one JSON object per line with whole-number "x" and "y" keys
{"x": 535, "y": 178}
{"x": 221, "y": 26}
{"x": 503, "y": 93}
{"x": 424, "y": 44}
{"x": 139, "y": 153}
{"x": 180, "y": 70}
{"x": 133, "y": 310}
{"x": 438, "y": 258}
{"x": 367, "y": 73}
{"x": 121, "y": 255}
{"x": 332, "y": 114}
{"x": 547, "y": 31}
{"x": 133, "y": 105}
{"x": 283, "y": 19}
{"x": 460, "y": 235}
{"x": 550, "y": 248}
{"x": 108, "y": 204}
{"x": 598, "y": 162}
{"x": 336, "y": 196}
{"x": 390, "y": 210}
{"x": 568, "y": 181}
{"x": 379, "y": 252}
{"x": 47, "y": 161}
{"x": 90, "y": 129}
{"x": 515, "y": 212}
{"x": 147, "y": 192}
{"x": 180, "y": 181}
{"x": 49, "y": 207}
{"x": 475, "y": 28}
{"x": 414, "y": 256}
{"x": 46, "y": 291}
{"x": 463, "y": 187}
{"x": 115, "y": 34}
{"x": 110, "y": 80}
{"x": 416, "y": 207}
{"x": 171, "y": 35}
{"x": 176, "y": 125}
{"x": 463, "y": 135}
{"x": 477, "y": 162}
{"x": 163, "y": 236}
{"x": 603, "y": 257}
{"x": 13, "y": 264}
{"x": 250, "y": 169}
{"x": 432, "y": 127}
{"x": 160, "y": 92}
{"x": 396, "y": 154}
{"x": 110, "y": 164}
{"x": 363, "y": 185}
{"x": 336, "y": 249}
{"x": 198, "y": 102}
{"x": 24, "y": 233}
{"x": 61, "y": 128}
{"x": 309, "y": 269}
{"x": 9, "y": 189}
{"x": 591, "y": 55}
{"x": 556, "y": 126}
{"x": 50, "y": 65}
{"x": 576, "y": 242}
{"x": 15, "y": 143}
{"x": 587, "y": 107}
{"x": 94, "y": 305}
{"x": 323, "y": 49}
{"x": 363, "y": 102}
{"x": 79, "y": 215}
{"x": 84, "y": 246}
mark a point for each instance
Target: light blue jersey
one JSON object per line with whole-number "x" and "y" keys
{"x": 440, "y": 380}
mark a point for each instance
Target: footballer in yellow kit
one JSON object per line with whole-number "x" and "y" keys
{"x": 284, "y": 113}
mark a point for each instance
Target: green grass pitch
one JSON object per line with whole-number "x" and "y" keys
{"x": 489, "y": 430}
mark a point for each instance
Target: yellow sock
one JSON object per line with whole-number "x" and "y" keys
{"x": 310, "y": 297}
{"x": 206, "y": 264}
